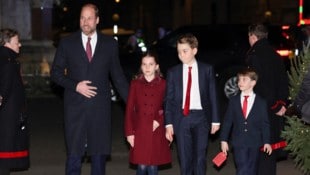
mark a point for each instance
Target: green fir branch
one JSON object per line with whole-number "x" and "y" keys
{"x": 296, "y": 133}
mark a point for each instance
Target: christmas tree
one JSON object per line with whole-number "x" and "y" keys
{"x": 296, "y": 133}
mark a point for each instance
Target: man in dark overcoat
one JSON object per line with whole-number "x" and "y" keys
{"x": 84, "y": 63}
{"x": 272, "y": 85}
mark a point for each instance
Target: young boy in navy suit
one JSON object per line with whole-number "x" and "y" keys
{"x": 191, "y": 110}
{"x": 246, "y": 120}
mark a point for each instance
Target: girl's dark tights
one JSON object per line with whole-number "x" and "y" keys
{"x": 147, "y": 170}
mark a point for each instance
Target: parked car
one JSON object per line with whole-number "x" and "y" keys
{"x": 224, "y": 46}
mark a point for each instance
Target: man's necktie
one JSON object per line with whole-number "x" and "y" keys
{"x": 88, "y": 49}
{"x": 245, "y": 105}
{"x": 188, "y": 93}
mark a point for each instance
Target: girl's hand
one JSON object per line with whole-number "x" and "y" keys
{"x": 155, "y": 125}
{"x": 131, "y": 139}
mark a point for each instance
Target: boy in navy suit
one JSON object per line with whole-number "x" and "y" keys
{"x": 247, "y": 121}
{"x": 191, "y": 110}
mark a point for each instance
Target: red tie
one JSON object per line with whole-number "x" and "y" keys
{"x": 88, "y": 49}
{"x": 188, "y": 92}
{"x": 245, "y": 105}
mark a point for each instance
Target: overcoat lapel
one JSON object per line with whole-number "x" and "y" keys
{"x": 80, "y": 49}
{"x": 99, "y": 42}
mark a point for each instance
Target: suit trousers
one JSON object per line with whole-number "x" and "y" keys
{"x": 268, "y": 163}
{"x": 246, "y": 160}
{"x": 74, "y": 165}
{"x": 192, "y": 140}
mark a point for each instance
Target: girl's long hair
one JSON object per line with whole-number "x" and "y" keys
{"x": 149, "y": 53}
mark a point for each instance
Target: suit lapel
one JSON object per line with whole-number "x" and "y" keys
{"x": 200, "y": 79}
{"x": 99, "y": 42}
{"x": 180, "y": 81}
{"x": 238, "y": 102}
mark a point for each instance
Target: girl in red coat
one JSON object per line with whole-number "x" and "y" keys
{"x": 144, "y": 120}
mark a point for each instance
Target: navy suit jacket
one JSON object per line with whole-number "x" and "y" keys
{"x": 174, "y": 94}
{"x": 253, "y": 131}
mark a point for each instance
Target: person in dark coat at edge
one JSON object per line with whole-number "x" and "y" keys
{"x": 84, "y": 63}
{"x": 303, "y": 95}
{"x": 14, "y": 144}
{"x": 272, "y": 86}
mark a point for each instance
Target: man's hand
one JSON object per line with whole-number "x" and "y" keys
{"x": 1, "y": 98}
{"x": 224, "y": 147}
{"x": 155, "y": 125}
{"x": 214, "y": 128}
{"x": 169, "y": 133}
{"x": 85, "y": 89}
{"x": 131, "y": 140}
{"x": 282, "y": 111}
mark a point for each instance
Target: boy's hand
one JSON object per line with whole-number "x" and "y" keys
{"x": 224, "y": 147}
{"x": 131, "y": 139}
{"x": 169, "y": 133}
{"x": 214, "y": 128}
{"x": 267, "y": 149}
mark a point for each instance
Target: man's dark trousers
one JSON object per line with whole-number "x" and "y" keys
{"x": 74, "y": 164}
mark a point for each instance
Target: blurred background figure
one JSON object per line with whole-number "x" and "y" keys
{"x": 14, "y": 146}
{"x": 136, "y": 42}
{"x": 302, "y": 98}
{"x": 161, "y": 32}
{"x": 44, "y": 67}
{"x": 306, "y": 35}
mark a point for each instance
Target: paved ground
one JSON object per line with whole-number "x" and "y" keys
{"x": 48, "y": 147}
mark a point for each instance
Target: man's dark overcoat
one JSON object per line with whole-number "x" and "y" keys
{"x": 273, "y": 82}
{"x": 272, "y": 85}
{"x": 88, "y": 120}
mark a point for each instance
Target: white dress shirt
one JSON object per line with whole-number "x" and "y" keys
{"x": 195, "y": 102}
{"x": 251, "y": 99}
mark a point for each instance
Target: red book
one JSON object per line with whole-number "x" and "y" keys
{"x": 275, "y": 146}
{"x": 219, "y": 159}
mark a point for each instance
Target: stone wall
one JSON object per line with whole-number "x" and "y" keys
{"x": 16, "y": 14}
